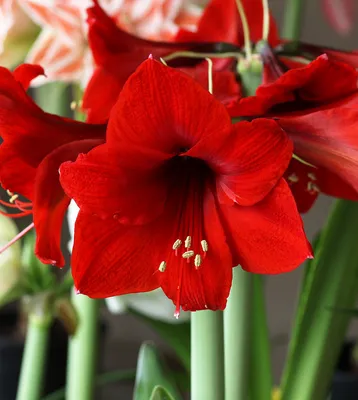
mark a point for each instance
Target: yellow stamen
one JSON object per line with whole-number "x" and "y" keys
{"x": 197, "y": 261}
{"x": 162, "y": 266}
{"x": 187, "y": 242}
{"x": 293, "y": 178}
{"x": 204, "y": 245}
{"x": 177, "y": 244}
{"x": 188, "y": 254}
{"x": 73, "y": 105}
{"x": 13, "y": 198}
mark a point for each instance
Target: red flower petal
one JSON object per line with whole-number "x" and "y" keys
{"x": 327, "y": 139}
{"x": 25, "y": 73}
{"x": 96, "y": 104}
{"x": 225, "y": 86}
{"x": 50, "y": 202}
{"x": 268, "y": 238}
{"x": 30, "y": 135}
{"x": 254, "y": 15}
{"x": 307, "y": 182}
{"x": 250, "y": 162}
{"x": 162, "y": 109}
{"x": 99, "y": 186}
{"x": 312, "y": 84}
{"x": 209, "y": 285}
{"x": 16, "y": 175}
{"x": 111, "y": 259}
{"x": 219, "y": 23}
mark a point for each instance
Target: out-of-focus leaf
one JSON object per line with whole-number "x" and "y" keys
{"x": 66, "y": 285}
{"x": 340, "y": 14}
{"x": 331, "y": 284}
{"x": 176, "y": 335}
{"x": 40, "y": 277}
{"x": 151, "y": 373}
{"x": 160, "y": 393}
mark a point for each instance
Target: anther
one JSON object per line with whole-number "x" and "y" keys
{"x": 177, "y": 244}
{"x": 13, "y": 198}
{"x": 293, "y": 178}
{"x": 187, "y": 242}
{"x": 162, "y": 266}
{"x": 73, "y": 105}
{"x": 197, "y": 261}
{"x": 188, "y": 254}
{"x": 204, "y": 245}
{"x": 312, "y": 176}
{"x": 312, "y": 187}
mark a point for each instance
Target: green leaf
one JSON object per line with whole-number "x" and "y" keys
{"x": 176, "y": 335}
{"x": 160, "y": 393}
{"x": 151, "y": 373}
{"x": 330, "y": 284}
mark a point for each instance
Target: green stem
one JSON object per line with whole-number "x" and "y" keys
{"x": 236, "y": 336}
{"x": 293, "y": 19}
{"x": 82, "y": 354}
{"x": 261, "y": 380}
{"x": 101, "y": 380}
{"x": 332, "y": 284}
{"x": 207, "y": 364}
{"x": 34, "y": 359}
{"x": 54, "y": 98}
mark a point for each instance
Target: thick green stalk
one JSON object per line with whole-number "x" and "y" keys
{"x": 82, "y": 351}
{"x": 34, "y": 359}
{"x": 332, "y": 284}
{"x": 236, "y": 336}
{"x": 261, "y": 380}
{"x": 293, "y": 19}
{"x": 207, "y": 363}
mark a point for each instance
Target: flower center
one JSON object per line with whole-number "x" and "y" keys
{"x": 189, "y": 179}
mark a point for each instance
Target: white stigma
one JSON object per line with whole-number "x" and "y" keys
{"x": 162, "y": 266}
{"x": 188, "y": 254}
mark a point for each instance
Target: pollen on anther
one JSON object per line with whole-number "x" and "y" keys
{"x": 188, "y": 254}
{"x": 197, "y": 261}
{"x": 13, "y": 198}
{"x": 293, "y": 178}
{"x": 312, "y": 187}
{"x": 204, "y": 245}
{"x": 177, "y": 244}
{"x": 162, "y": 266}
{"x": 187, "y": 242}
{"x": 312, "y": 176}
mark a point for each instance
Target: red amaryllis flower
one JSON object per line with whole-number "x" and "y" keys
{"x": 317, "y": 106}
{"x": 34, "y": 145}
{"x": 117, "y": 54}
{"x": 178, "y": 195}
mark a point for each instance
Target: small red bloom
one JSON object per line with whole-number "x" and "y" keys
{"x": 117, "y": 54}
{"x": 178, "y": 195}
{"x": 317, "y": 106}
{"x": 34, "y": 145}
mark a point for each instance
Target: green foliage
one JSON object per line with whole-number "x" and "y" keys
{"x": 152, "y": 373}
